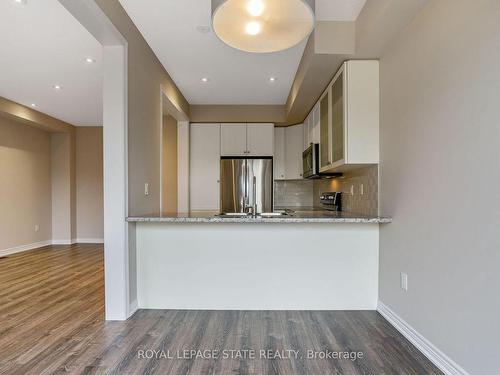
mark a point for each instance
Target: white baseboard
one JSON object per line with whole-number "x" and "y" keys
{"x": 436, "y": 356}
{"x": 18, "y": 249}
{"x": 89, "y": 240}
{"x": 35, "y": 245}
{"x": 63, "y": 242}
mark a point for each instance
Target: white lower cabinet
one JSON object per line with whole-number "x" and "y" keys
{"x": 204, "y": 170}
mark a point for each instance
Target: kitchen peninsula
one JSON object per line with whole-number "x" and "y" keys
{"x": 205, "y": 261}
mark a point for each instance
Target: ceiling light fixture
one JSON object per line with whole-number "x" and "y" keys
{"x": 255, "y": 8}
{"x": 269, "y": 26}
{"x": 205, "y": 80}
{"x": 89, "y": 60}
{"x": 23, "y": 2}
{"x": 252, "y": 28}
{"x": 57, "y": 87}
{"x": 272, "y": 79}
{"x": 33, "y": 105}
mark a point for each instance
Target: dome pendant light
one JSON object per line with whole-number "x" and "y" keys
{"x": 262, "y": 26}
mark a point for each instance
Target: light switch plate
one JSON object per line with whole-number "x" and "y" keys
{"x": 146, "y": 189}
{"x": 404, "y": 281}
{"x": 37, "y": 227}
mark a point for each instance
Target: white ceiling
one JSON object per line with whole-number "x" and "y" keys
{"x": 235, "y": 77}
{"x": 43, "y": 45}
{"x": 338, "y": 10}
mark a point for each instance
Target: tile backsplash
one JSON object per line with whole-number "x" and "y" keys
{"x": 361, "y": 200}
{"x": 293, "y": 193}
{"x": 359, "y": 191}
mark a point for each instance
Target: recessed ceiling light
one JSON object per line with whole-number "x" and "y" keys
{"x": 272, "y": 79}
{"x": 33, "y": 105}
{"x": 89, "y": 60}
{"x": 57, "y": 87}
{"x": 20, "y": 2}
{"x": 203, "y": 29}
{"x": 255, "y": 7}
{"x": 205, "y": 79}
{"x": 252, "y": 28}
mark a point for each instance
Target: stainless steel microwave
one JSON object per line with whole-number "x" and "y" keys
{"x": 310, "y": 163}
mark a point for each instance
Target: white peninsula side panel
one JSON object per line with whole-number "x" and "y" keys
{"x": 257, "y": 266}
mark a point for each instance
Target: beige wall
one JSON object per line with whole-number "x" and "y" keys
{"x": 51, "y": 175}
{"x": 146, "y": 80}
{"x": 237, "y": 113}
{"x": 89, "y": 184}
{"x": 63, "y": 187}
{"x": 440, "y": 179}
{"x": 169, "y": 165}
{"x": 25, "y": 184}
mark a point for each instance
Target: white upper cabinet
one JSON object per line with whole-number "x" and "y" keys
{"x": 294, "y": 142}
{"x": 233, "y": 139}
{"x": 241, "y": 139}
{"x": 279, "y": 154}
{"x": 288, "y": 143}
{"x": 314, "y": 125}
{"x": 311, "y": 127}
{"x": 204, "y": 167}
{"x": 260, "y": 139}
{"x": 306, "y": 132}
{"x": 349, "y": 118}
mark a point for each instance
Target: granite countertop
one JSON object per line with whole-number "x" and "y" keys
{"x": 300, "y": 215}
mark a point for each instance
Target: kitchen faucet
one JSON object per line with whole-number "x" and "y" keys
{"x": 254, "y": 196}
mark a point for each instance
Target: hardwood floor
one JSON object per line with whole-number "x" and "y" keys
{"x": 51, "y": 321}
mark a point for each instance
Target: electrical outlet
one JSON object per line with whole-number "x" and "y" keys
{"x": 37, "y": 227}
{"x": 361, "y": 189}
{"x": 404, "y": 281}
{"x": 146, "y": 188}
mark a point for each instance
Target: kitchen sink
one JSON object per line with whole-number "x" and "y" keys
{"x": 273, "y": 214}
{"x": 233, "y": 214}
{"x": 261, "y": 214}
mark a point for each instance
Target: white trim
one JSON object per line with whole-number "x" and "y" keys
{"x": 21, "y": 248}
{"x": 436, "y": 356}
{"x": 116, "y": 250}
{"x": 133, "y": 307}
{"x": 161, "y": 151}
{"x": 63, "y": 242}
{"x": 89, "y": 240}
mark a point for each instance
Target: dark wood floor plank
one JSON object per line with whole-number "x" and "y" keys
{"x": 52, "y": 322}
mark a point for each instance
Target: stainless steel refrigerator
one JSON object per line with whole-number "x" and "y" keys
{"x": 246, "y": 183}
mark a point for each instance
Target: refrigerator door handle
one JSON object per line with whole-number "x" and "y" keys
{"x": 245, "y": 199}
